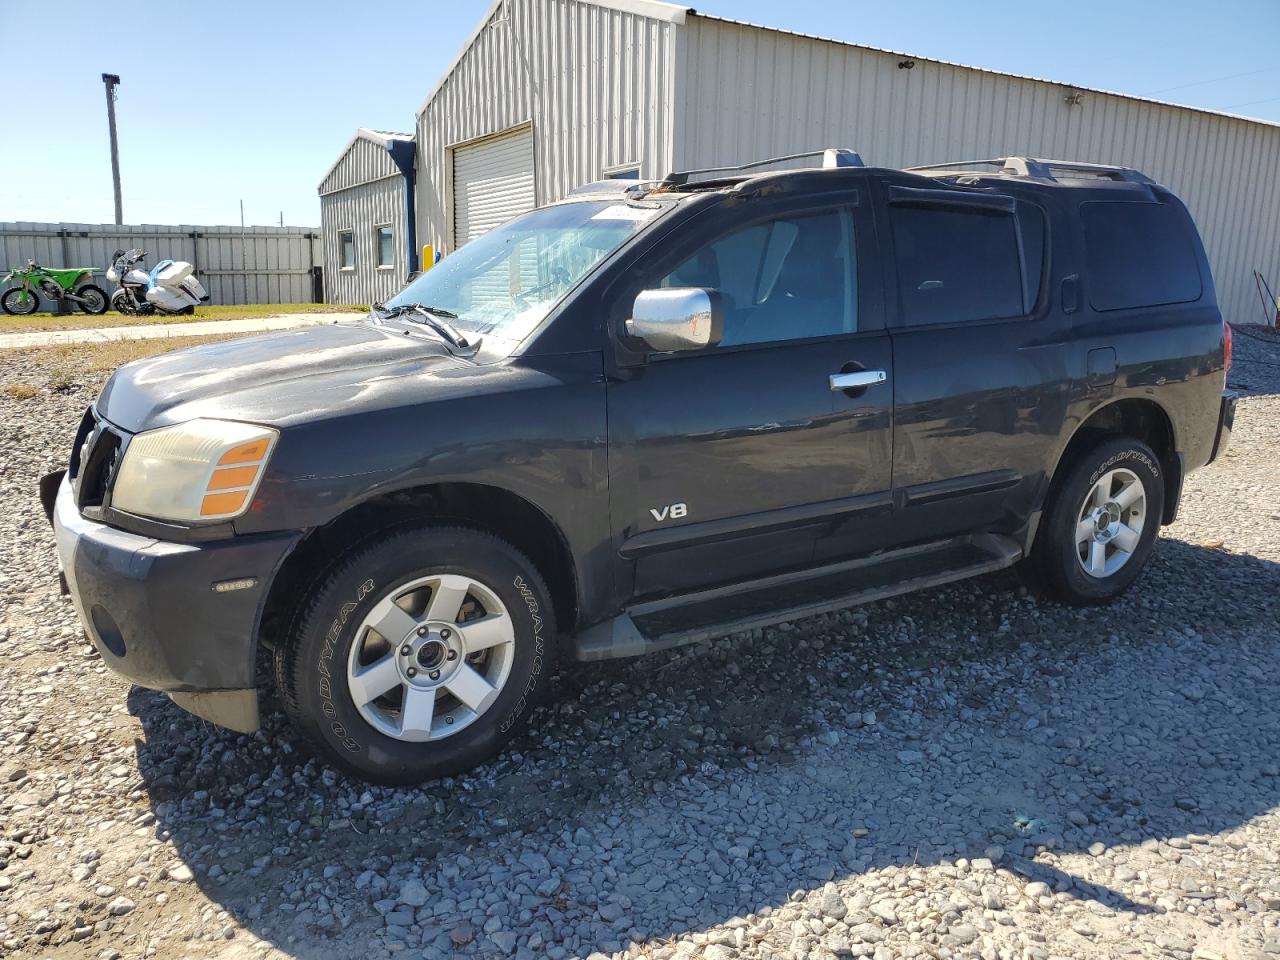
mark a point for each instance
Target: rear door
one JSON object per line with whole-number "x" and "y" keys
{"x": 739, "y": 461}
{"x": 981, "y": 358}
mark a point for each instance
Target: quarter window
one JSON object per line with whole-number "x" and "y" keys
{"x": 386, "y": 246}
{"x": 783, "y": 279}
{"x": 1139, "y": 255}
{"x": 346, "y": 250}
{"x": 958, "y": 264}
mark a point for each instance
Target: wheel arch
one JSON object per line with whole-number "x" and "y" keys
{"x": 1139, "y": 417}
{"x": 497, "y": 510}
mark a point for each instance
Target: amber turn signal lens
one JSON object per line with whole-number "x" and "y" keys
{"x": 246, "y": 453}
{"x": 217, "y": 504}
{"x": 228, "y": 478}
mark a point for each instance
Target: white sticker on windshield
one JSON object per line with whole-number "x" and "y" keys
{"x": 622, "y": 211}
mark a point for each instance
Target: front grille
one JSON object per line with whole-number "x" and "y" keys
{"x": 94, "y": 460}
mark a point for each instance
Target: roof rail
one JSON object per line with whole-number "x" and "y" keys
{"x": 1040, "y": 169}
{"x": 831, "y": 157}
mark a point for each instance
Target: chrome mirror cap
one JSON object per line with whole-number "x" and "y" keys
{"x": 676, "y": 319}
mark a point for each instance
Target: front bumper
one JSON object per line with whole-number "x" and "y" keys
{"x": 1226, "y": 420}
{"x": 151, "y": 609}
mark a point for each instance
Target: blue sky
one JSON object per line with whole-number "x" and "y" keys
{"x": 253, "y": 101}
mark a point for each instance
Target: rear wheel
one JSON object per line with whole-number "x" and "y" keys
{"x": 1101, "y": 522}
{"x": 92, "y": 299}
{"x": 19, "y": 301}
{"x": 419, "y": 655}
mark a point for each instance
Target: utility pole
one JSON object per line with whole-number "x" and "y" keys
{"x": 111, "y": 81}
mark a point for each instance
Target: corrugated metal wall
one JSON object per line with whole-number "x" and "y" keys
{"x": 361, "y": 209}
{"x": 749, "y": 93}
{"x": 364, "y": 190}
{"x": 596, "y": 82}
{"x": 363, "y": 161}
{"x": 255, "y": 265}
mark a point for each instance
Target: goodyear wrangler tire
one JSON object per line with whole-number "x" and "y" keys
{"x": 1100, "y": 524}
{"x": 418, "y": 655}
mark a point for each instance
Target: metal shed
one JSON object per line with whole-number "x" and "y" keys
{"x": 367, "y": 218}
{"x": 586, "y": 89}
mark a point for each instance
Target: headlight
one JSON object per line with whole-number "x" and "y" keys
{"x": 194, "y": 471}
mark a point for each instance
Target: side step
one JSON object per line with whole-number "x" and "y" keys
{"x": 675, "y": 621}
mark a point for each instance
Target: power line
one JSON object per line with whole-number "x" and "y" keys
{"x": 1248, "y": 103}
{"x": 1201, "y": 83}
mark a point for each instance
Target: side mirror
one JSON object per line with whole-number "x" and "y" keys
{"x": 412, "y": 277}
{"x": 676, "y": 319}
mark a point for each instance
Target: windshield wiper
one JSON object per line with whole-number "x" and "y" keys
{"x": 436, "y": 318}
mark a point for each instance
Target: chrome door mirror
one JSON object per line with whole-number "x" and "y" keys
{"x": 676, "y": 319}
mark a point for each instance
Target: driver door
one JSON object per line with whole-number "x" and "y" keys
{"x": 743, "y": 460}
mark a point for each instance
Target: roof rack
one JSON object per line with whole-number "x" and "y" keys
{"x": 831, "y": 157}
{"x": 1040, "y": 169}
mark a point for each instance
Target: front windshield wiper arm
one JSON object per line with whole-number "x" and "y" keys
{"x": 434, "y": 317}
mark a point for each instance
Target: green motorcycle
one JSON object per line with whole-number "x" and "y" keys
{"x": 69, "y": 285}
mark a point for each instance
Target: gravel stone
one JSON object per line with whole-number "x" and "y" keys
{"x": 911, "y": 779}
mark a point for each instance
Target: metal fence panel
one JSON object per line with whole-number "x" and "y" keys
{"x": 253, "y": 265}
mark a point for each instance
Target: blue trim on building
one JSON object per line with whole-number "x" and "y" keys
{"x": 404, "y": 153}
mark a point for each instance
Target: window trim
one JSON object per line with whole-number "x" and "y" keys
{"x": 377, "y": 246}
{"x": 923, "y": 197}
{"x": 350, "y": 231}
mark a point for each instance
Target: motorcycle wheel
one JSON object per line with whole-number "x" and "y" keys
{"x": 12, "y": 303}
{"x": 122, "y": 303}
{"x": 92, "y": 299}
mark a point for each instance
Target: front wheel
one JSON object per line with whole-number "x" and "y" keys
{"x": 1100, "y": 524}
{"x": 19, "y": 301}
{"x": 92, "y": 299}
{"x": 419, "y": 655}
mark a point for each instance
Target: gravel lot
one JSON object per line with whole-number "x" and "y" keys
{"x": 963, "y": 773}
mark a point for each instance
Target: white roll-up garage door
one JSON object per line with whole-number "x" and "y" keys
{"x": 492, "y": 182}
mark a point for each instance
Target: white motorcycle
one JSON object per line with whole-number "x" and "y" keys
{"x": 169, "y": 287}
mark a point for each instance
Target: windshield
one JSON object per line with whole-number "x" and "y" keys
{"x": 503, "y": 284}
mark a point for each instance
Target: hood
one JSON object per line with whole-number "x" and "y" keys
{"x": 280, "y": 378}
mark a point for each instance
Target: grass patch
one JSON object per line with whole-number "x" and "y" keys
{"x": 21, "y": 391}
{"x": 68, "y": 364}
{"x": 244, "y": 311}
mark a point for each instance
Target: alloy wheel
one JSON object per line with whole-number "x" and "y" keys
{"x": 431, "y": 657}
{"x": 1110, "y": 523}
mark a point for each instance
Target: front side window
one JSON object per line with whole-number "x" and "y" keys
{"x": 385, "y": 245}
{"x": 957, "y": 264}
{"x": 1139, "y": 255}
{"x": 346, "y": 250}
{"x": 504, "y": 283}
{"x": 783, "y": 279}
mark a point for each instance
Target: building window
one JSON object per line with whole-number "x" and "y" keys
{"x": 386, "y": 247}
{"x": 346, "y": 250}
{"x": 630, "y": 172}
{"x": 1139, "y": 255}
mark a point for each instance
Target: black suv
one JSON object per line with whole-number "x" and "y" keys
{"x": 643, "y": 416}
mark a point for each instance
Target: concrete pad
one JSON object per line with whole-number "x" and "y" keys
{"x": 157, "y": 331}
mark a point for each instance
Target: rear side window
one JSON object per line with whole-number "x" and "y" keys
{"x": 1138, "y": 255}
{"x": 958, "y": 264}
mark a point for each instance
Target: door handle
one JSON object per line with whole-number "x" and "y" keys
{"x": 857, "y": 379}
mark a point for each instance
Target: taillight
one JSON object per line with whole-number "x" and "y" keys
{"x": 1226, "y": 344}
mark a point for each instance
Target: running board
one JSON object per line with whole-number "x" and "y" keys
{"x": 675, "y": 621}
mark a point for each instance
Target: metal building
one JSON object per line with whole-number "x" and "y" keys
{"x": 548, "y": 94}
{"x": 367, "y": 218}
